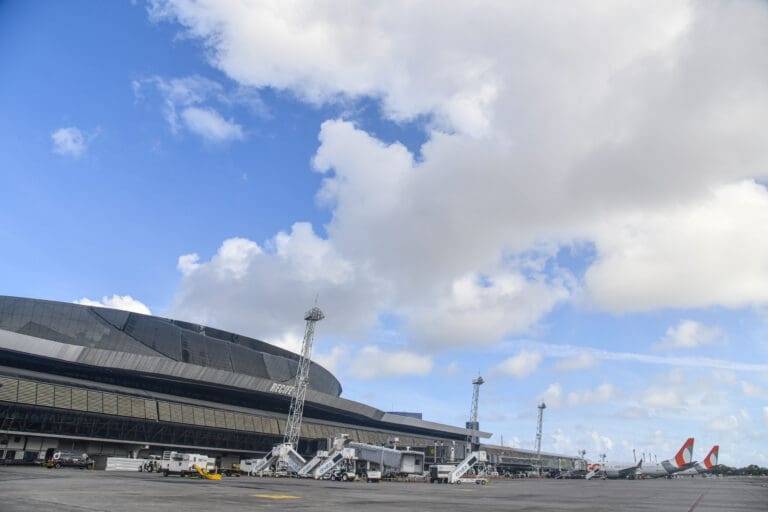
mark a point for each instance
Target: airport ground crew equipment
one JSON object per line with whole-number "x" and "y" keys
{"x": 183, "y": 464}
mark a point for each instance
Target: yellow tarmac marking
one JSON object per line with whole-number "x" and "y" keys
{"x": 277, "y": 496}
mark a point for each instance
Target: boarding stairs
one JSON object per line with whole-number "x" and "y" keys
{"x": 319, "y": 457}
{"x": 594, "y": 472}
{"x": 457, "y": 475}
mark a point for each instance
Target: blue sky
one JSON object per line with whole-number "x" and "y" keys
{"x": 568, "y": 201}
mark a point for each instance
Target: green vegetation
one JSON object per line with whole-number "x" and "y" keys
{"x": 751, "y": 470}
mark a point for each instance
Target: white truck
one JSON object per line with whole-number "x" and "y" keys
{"x": 176, "y": 463}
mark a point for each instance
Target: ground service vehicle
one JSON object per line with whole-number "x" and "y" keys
{"x": 59, "y": 459}
{"x": 175, "y": 463}
{"x": 440, "y": 473}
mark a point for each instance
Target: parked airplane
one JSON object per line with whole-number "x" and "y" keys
{"x": 699, "y": 468}
{"x": 613, "y": 469}
{"x": 680, "y": 462}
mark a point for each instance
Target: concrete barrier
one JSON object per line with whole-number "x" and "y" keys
{"x": 124, "y": 464}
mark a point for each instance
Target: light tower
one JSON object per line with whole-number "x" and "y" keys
{"x": 473, "y": 424}
{"x": 296, "y": 411}
{"x": 541, "y": 406}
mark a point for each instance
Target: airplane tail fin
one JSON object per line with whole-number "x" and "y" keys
{"x": 711, "y": 459}
{"x": 685, "y": 454}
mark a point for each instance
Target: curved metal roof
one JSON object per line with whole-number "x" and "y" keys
{"x": 110, "y": 337}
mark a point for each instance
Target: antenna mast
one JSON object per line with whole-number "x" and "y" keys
{"x": 296, "y": 411}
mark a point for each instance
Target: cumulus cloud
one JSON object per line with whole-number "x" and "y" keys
{"x": 521, "y": 365}
{"x": 371, "y": 362}
{"x": 650, "y": 148}
{"x": 210, "y": 125}
{"x": 724, "y": 424}
{"x": 124, "y": 302}
{"x": 69, "y": 142}
{"x": 601, "y": 394}
{"x": 601, "y": 443}
{"x": 187, "y": 103}
{"x": 581, "y": 362}
{"x": 688, "y": 334}
{"x": 264, "y": 291}
{"x": 333, "y": 359}
{"x": 688, "y": 256}
{"x": 754, "y": 390}
{"x": 661, "y": 398}
{"x": 553, "y": 395}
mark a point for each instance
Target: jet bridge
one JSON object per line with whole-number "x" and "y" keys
{"x": 384, "y": 457}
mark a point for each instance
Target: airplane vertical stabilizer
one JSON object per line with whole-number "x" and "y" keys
{"x": 685, "y": 454}
{"x": 710, "y": 460}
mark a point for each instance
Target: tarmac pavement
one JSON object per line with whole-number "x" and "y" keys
{"x": 28, "y": 489}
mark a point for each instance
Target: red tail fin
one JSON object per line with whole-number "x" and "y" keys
{"x": 685, "y": 454}
{"x": 711, "y": 459}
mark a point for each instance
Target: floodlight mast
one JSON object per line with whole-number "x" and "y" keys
{"x": 472, "y": 424}
{"x": 296, "y": 411}
{"x": 539, "y": 425}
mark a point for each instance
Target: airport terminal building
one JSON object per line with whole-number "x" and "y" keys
{"x": 112, "y": 382}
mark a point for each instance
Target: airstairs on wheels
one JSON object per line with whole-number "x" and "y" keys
{"x": 594, "y": 471}
{"x": 281, "y": 454}
{"x": 457, "y": 475}
{"x": 319, "y": 457}
{"x": 338, "y": 453}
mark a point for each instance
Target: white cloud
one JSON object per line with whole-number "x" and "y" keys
{"x": 643, "y": 139}
{"x": 661, "y": 398}
{"x": 601, "y": 443}
{"x": 582, "y": 361}
{"x": 69, "y": 142}
{"x": 187, "y": 103}
{"x": 371, "y": 362}
{"x": 290, "y": 341}
{"x": 553, "y": 395}
{"x": 601, "y": 394}
{"x": 452, "y": 369}
{"x": 693, "y": 255}
{"x": 521, "y": 365}
{"x": 688, "y": 334}
{"x": 754, "y": 390}
{"x": 720, "y": 365}
{"x": 724, "y": 424}
{"x": 726, "y": 376}
{"x": 264, "y": 292}
{"x": 124, "y": 302}
{"x": 765, "y": 414}
{"x": 333, "y": 360}
{"x": 561, "y": 442}
{"x": 209, "y": 124}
